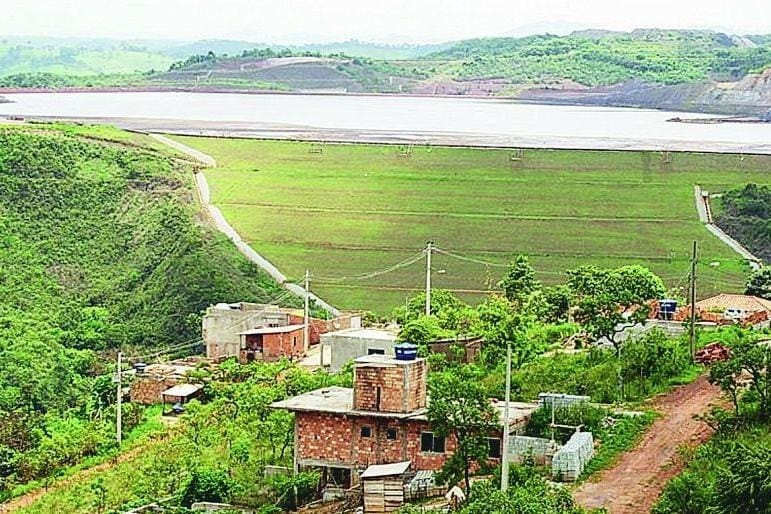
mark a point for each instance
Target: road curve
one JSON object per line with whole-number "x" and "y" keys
{"x": 219, "y": 221}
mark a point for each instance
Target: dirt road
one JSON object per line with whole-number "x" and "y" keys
{"x": 634, "y": 483}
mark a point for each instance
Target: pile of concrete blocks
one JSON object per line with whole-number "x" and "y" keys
{"x": 569, "y": 462}
{"x": 539, "y": 449}
{"x": 560, "y": 400}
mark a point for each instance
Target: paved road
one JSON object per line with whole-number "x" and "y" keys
{"x": 635, "y": 482}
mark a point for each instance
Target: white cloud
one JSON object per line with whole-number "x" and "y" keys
{"x": 382, "y": 20}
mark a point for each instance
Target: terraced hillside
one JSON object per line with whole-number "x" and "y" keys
{"x": 353, "y": 209}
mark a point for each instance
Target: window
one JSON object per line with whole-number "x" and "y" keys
{"x": 366, "y": 431}
{"x": 431, "y": 443}
{"x": 391, "y": 433}
{"x": 375, "y": 351}
{"x": 493, "y": 448}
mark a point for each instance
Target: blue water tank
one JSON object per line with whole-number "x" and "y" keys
{"x": 667, "y": 308}
{"x": 406, "y": 351}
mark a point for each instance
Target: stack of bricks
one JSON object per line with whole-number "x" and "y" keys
{"x": 390, "y": 386}
{"x": 147, "y": 390}
{"x": 148, "y": 385}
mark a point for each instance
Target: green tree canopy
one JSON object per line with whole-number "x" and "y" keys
{"x": 608, "y": 299}
{"x": 519, "y": 280}
{"x": 460, "y": 409}
{"x": 759, "y": 283}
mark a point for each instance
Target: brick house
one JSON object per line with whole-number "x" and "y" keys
{"x": 341, "y": 431}
{"x": 272, "y": 343}
{"x": 223, "y": 324}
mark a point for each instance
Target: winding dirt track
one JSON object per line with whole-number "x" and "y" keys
{"x": 634, "y": 483}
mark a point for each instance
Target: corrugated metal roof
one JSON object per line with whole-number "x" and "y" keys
{"x": 182, "y": 390}
{"x": 271, "y": 330}
{"x": 385, "y": 470}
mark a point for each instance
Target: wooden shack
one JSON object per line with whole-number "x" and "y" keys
{"x": 383, "y": 486}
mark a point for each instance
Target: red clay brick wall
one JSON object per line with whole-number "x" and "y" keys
{"x": 416, "y": 383}
{"x": 427, "y": 460}
{"x": 389, "y": 380}
{"x": 325, "y": 437}
{"x": 147, "y": 390}
{"x": 337, "y": 439}
{"x": 275, "y": 346}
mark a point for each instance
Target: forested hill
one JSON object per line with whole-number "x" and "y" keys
{"x": 593, "y": 58}
{"x": 101, "y": 246}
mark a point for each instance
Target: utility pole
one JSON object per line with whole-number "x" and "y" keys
{"x": 429, "y": 248}
{"x": 506, "y": 435}
{"x": 306, "y": 313}
{"x": 119, "y": 415}
{"x": 693, "y": 300}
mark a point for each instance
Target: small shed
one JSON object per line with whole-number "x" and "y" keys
{"x": 181, "y": 394}
{"x": 383, "y": 486}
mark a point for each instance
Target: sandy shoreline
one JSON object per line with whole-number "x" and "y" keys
{"x": 399, "y": 137}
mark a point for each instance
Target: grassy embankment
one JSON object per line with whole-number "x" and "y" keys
{"x": 358, "y": 208}
{"x": 102, "y": 247}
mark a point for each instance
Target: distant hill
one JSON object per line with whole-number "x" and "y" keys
{"x": 35, "y": 57}
{"x": 698, "y": 70}
{"x": 99, "y": 56}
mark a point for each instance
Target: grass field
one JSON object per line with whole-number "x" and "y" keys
{"x": 353, "y": 209}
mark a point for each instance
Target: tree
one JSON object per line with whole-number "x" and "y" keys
{"x": 442, "y": 304}
{"x": 744, "y": 485}
{"x": 759, "y": 283}
{"x": 748, "y": 359}
{"x": 609, "y": 300}
{"x": 519, "y": 280}
{"x": 502, "y": 324}
{"x": 423, "y": 330}
{"x": 206, "y": 484}
{"x": 460, "y": 409}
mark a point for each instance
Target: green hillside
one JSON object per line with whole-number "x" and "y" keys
{"x": 78, "y": 61}
{"x": 595, "y": 59}
{"x": 354, "y": 209}
{"x": 101, "y": 247}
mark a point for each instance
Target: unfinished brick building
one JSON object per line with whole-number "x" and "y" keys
{"x": 382, "y": 420}
{"x": 272, "y": 343}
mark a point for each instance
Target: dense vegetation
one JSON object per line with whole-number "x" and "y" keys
{"x": 18, "y": 57}
{"x": 732, "y": 473}
{"x": 745, "y": 213}
{"x": 561, "y": 208}
{"x": 218, "y": 452}
{"x": 100, "y": 248}
{"x": 666, "y": 57}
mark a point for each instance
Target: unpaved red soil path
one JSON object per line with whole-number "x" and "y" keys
{"x": 634, "y": 483}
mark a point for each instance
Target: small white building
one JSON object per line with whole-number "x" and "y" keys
{"x": 346, "y": 345}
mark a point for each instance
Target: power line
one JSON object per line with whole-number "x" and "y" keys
{"x": 403, "y": 264}
{"x": 175, "y": 347}
{"x": 489, "y": 263}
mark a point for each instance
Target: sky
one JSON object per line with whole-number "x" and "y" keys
{"x": 391, "y": 21}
